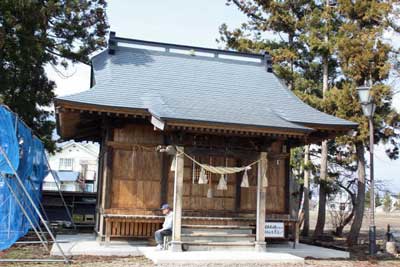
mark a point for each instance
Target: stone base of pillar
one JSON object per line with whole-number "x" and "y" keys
{"x": 260, "y": 246}
{"x": 175, "y": 246}
{"x": 99, "y": 239}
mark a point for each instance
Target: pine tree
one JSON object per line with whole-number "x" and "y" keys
{"x": 321, "y": 30}
{"x": 293, "y": 60}
{"x": 281, "y": 17}
{"x": 363, "y": 57}
{"x": 306, "y": 203}
{"x": 34, "y": 34}
{"x": 306, "y": 49}
{"x": 356, "y": 54}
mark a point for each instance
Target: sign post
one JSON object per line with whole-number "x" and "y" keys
{"x": 274, "y": 229}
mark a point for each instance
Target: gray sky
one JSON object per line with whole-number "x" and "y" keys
{"x": 192, "y": 23}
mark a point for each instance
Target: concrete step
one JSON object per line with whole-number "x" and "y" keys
{"x": 217, "y": 229}
{"x": 213, "y": 237}
{"x": 217, "y": 226}
{"x": 205, "y": 246}
{"x": 217, "y": 232}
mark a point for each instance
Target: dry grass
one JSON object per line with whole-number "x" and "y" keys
{"x": 381, "y": 221}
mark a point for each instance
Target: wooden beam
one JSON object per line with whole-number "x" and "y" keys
{"x": 220, "y": 143}
{"x": 260, "y": 244}
{"x": 238, "y": 189}
{"x": 130, "y": 146}
{"x": 234, "y": 153}
{"x": 233, "y": 129}
{"x": 106, "y": 183}
{"x": 165, "y": 169}
{"x": 176, "y": 243}
{"x": 109, "y": 166}
{"x": 287, "y": 183}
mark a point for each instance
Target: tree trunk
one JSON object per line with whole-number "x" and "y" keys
{"x": 359, "y": 207}
{"x": 339, "y": 229}
{"x": 347, "y": 220}
{"x": 291, "y": 63}
{"x": 306, "y": 203}
{"x": 319, "y": 228}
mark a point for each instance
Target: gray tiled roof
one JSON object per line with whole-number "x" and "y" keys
{"x": 198, "y": 88}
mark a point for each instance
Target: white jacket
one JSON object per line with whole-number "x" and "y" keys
{"x": 167, "y": 225}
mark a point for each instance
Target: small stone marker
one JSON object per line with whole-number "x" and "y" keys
{"x": 391, "y": 248}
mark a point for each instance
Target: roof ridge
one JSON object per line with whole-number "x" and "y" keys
{"x": 114, "y": 40}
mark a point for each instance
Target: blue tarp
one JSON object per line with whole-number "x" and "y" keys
{"x": 27, "y": 155}
{"x": 8, "y": 140}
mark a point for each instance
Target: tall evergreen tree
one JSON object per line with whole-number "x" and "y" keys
{"x": 321, "y": 28}
{"x": 363, "y": 57}
{"x": 285, "y": 18}
{"x": 355, "y": 52}
{"x": 302, "y": 59}
{"x": 34, "y": 34}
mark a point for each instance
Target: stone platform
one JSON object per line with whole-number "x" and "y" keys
{"x": 86, "y": 244}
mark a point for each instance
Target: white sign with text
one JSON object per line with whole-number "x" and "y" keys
{"x": 274, "y": 229}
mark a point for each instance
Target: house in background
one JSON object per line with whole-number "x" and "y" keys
{"x": 76, "y": 167}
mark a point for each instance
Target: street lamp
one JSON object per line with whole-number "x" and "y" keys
{"x": 368, "y": 108}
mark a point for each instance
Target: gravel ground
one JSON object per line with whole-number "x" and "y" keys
{"x": 139, "y": 261}
{"x": 37, "y": 252}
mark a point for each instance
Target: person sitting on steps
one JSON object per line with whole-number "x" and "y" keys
{"x": 167, "y": 226}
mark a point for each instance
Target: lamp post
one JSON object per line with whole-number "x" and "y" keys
{"x": 368, "y": 108}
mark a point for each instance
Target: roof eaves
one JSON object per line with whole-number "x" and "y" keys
{"x": 332, "y": 126}
{"x": 100, "y": 108}
{"x": 302, "y": 130}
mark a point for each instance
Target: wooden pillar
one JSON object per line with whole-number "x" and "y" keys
{"x": 165, "y": 169}
{"x": 108, "y": 231}
{"x": 260, "y": 244}
{"x": 106, "y": 166}
{"x": 176, "y": 244}
{"x": 99, "y": 189}
{"x": 238, "y": 188}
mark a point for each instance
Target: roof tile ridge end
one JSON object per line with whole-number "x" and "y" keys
{"x": 288, "y": 121}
